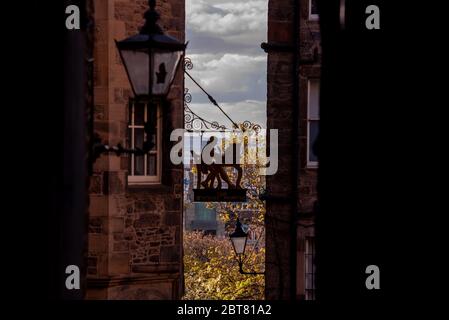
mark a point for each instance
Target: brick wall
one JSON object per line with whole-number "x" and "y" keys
{"x": 135, "y": 240}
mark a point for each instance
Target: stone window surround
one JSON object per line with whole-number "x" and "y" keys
{"x": 312, "y": 17}
{"x": 166, "y": 184}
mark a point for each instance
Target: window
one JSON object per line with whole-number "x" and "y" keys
{"x": 313, "y": 117}
{"x": 313, "y": 10}
{"x": 203, "y": 213}
{"x": 205, "y": 219}
{"x": 145, "y": 169}
{"x": 310, "y": 268}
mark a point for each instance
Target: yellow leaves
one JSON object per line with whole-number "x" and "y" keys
{"x": 211, "y": 271}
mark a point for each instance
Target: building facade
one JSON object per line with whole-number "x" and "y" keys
{"x": 309, "y": 115}
{"x": 135, "y": 202}
{"x": 293, "y": 82}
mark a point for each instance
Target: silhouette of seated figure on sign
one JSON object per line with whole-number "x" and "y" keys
{"x": 216, "y": 171}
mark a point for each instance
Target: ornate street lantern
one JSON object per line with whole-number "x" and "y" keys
{"x": 151, "y": 57}
{"x": 238, "y": 240}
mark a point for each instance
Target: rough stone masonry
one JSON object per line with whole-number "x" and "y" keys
{"x": 134, "y": 240}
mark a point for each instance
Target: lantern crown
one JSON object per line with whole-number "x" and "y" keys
{"x": 151, "y": 17}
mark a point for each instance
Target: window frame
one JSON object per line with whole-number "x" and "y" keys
{"x": 313, "y": 16}
{"x": 145, "y": 179}
{"x": 311, "y": 164}
{"x": 309, "y": 253}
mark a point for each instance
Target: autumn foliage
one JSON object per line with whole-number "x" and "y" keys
{"x": 211, "y": 270}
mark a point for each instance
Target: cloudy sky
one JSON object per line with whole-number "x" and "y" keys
{"x": 224, "y": 45}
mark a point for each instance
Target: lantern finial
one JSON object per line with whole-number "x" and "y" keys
{"x": 238, "y": 225}
{"x": 151, "y": 17}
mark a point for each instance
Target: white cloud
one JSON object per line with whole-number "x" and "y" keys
{"x": 228, "y": 18}
{"x": 225, "y": 38}
{"x": 228, "y": 73}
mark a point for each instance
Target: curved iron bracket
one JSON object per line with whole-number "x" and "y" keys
{"x": 192, "y": 121}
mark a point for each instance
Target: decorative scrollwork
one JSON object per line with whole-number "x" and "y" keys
{"x": 187, "y": 96}
{"x": 248, "y": 125}
{"x": 194, "y": 122}
{"x": 245, "y": 125}
{"x": 188, "y": 65}
{"x": 257, "y": 127}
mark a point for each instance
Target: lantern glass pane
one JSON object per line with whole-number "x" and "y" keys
{"x": 239, "y": 244}
{"x": 164, "y": 70}
{"x": 137, "y": 63}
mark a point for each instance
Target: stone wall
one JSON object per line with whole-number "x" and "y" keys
{"x": 293, "y": 42}
{"x": 135, "y": 233}
{"x": 281, "y": 116}
{"x": 309, "y": 45}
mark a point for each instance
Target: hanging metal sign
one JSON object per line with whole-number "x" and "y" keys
{"x": 210, "y": 176}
